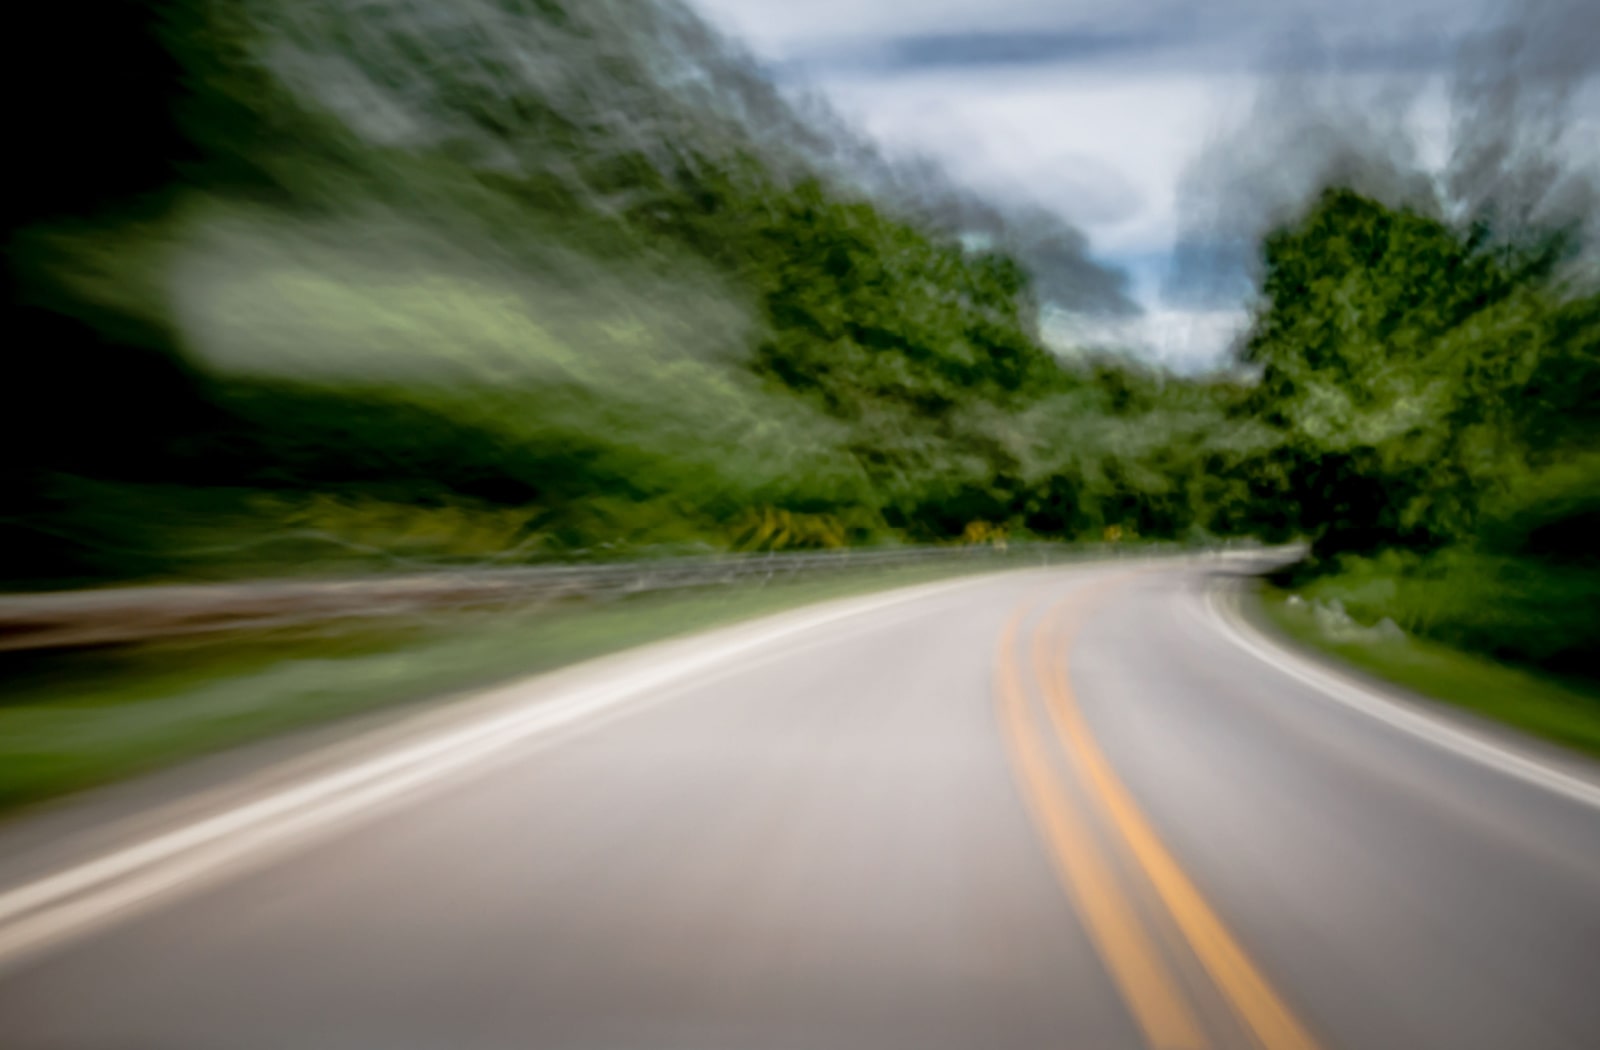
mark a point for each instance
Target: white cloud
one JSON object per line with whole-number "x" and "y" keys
{"x": 1183, "y": 340}
{"x": 1103, "y": 150}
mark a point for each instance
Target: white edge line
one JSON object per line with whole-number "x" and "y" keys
{"x": 45, "y": 909}
{"x": 1397, "y": 714}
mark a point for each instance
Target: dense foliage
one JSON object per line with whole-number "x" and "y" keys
{"x": 1437, "y": 392}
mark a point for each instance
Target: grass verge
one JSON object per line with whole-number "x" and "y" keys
{"x": 71, "y": 720}
{"x": 1559, "y": 710}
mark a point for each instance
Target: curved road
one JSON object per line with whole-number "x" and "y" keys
{"x": 1078, "y": 807}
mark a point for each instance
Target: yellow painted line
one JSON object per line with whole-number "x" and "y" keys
{"x": 1230, "y": 968}
{"x": 1150, "y": 991}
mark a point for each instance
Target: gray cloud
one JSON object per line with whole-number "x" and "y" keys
{"x": 967, "y": 49}
{"x": 933, "y": 51}
{"x": 1514, "y": 98}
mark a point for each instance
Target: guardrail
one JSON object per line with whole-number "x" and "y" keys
{"x": 120, "y": 615}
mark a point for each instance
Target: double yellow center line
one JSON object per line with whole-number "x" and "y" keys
{"x": 1145, "y": 978}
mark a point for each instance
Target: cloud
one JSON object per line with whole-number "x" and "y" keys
{"x": 987, "y": 49}
{"x": 933, "y": 51}
{"x": 1185, "y": 341}
{"x": 1101, "y": 149}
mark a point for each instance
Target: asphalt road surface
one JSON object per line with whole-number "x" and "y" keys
{"x": 1079, "y": 807}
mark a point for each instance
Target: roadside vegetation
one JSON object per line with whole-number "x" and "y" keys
{"x": 1438, "y": 393}
{"x": 1563, "y": 710}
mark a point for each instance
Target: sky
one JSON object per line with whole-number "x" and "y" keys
{"x": 1103, "y": 110}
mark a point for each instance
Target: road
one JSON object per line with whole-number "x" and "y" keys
{"x": 1074, "y": 807}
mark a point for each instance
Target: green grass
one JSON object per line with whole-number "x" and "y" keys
{"x": 1556, "y": 709}
{"x": 73, "y": 720}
